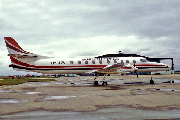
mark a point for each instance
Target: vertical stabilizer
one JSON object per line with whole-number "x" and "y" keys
{"x": 16, "y": 51}
{"x": 14, "y": 48}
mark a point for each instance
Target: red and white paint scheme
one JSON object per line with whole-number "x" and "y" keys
{"x": 26, "y": 61}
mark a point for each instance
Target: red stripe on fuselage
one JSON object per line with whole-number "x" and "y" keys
{"x": 126, "y": 67}
{"x": 150, "y": 65}
{"x": 14, "y": 60}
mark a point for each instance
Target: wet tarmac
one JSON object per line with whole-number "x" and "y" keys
{"x": 117, "y": 88}
{"x": 2, "y": 91}
{"x": 111, "y": 113}
{"x": 162, "y": 89}
{"x": 12, "y": 101}
{"x": 30, "y": 93}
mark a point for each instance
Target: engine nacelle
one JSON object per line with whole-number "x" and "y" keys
{"x": 127, "y": 69}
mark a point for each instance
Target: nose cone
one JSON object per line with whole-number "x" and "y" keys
{"x": 168, "y": 67}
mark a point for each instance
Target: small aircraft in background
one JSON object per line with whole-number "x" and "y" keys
{"x": 26, "y": 61}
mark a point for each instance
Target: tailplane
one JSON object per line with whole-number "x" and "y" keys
{"x": 16, "y": 51}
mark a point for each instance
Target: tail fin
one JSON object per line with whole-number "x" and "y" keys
{"x": 15, "y": 49}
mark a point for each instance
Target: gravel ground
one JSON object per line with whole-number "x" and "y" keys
{"x": 78, "y": 94}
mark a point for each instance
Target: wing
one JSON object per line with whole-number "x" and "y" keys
{"x": 118, "y": 68}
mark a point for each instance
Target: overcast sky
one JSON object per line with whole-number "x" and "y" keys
{"x": 81, "y": 28}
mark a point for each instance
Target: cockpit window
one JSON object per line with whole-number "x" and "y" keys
{"x": 143, "y": 60}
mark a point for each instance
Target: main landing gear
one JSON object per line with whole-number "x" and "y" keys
{"x": 104, "y": 83}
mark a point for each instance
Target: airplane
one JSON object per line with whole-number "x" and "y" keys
{"x": 26, "y": 61}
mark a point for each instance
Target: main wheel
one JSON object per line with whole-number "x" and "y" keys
{"x": 104, "y": 84}
{"x": 151, "y": 81}
{"x": 96, "y": 83}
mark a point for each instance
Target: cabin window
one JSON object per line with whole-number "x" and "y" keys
{"x": 108, "y": 61}
{"x": 86, "y": 62}
{"x": 93, "y": 61}
{"x": 79, "y": 62}
{"x": 71, "y": 62}
{"x": 127, "y": 61}
{"x": 143, "y": 60}
{"x": 115, "y": 61}
{"x": 122, "y": 61}
{"x": 100, "y": 61}
{"x": 62, "y": 62}
{"x": 134, "y": 61}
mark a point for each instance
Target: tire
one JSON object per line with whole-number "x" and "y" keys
{"x": 96, "y": 83}
{"x": 151, "y": 81}
{"x": 104, "y": 84}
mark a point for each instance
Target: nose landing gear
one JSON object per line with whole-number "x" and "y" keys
{"x": 151, "y": 81}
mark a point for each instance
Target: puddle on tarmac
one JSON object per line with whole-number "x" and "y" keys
{"x": 136, "y": 83}
{"x": 44, "y": 83}
{"x": 136, "y": 89}
{"x": 114, "y": 112}
{"x": 83, "y": 79}
{"x": 172, "y": 81}
{"x": 140, "y": 93}
{"x": 162, "y": 89}
{"x": 116, "y": 82}
{"x": 57, "y": 97}
{"x": 49, "y": 98}
{"x": 59, "y": 83}
{"x": 12, "y": 101}
{"x": 30, "y": 93}
{"x": 2, "y": 91}
{"x": 30, "y": 84}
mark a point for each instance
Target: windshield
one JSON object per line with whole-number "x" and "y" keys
{"x": 143, "y": 60}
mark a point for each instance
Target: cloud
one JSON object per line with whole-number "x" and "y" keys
{"x": 92, "y": 28}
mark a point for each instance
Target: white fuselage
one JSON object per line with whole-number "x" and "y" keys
{"x": 89, "y": 65}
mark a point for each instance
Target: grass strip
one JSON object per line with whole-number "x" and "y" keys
{"x": 21, "y": 81}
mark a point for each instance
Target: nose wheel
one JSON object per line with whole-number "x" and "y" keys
{"x": 104, "y": 83}
{"x": 151, "y": 81}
